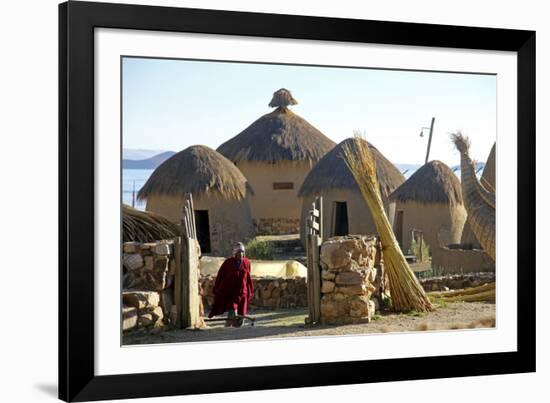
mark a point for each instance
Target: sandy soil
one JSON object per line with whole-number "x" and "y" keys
{"x": 290, "y": 323}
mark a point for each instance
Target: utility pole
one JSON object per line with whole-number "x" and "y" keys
{"x": 429, "y": 139}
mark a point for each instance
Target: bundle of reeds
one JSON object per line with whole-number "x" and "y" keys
{"x": 406, "y": 292}
{"x": 142, "y": 226}
{"x": 482, "y": 293}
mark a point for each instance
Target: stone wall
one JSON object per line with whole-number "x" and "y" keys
{"x": 273, "y": 293}
{"x": 277, "y": 226}
{"x": 147, "y": 277}
{"x": 350, "y": 282}
{"x": 452, "y": 259}
{"x": 141, "y": 309}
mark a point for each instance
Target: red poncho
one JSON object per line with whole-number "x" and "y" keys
{"x": 233, "y": 287}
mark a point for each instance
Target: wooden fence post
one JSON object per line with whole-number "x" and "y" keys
{"x": 177, "y": 283}
{"x": 314, "y": 231}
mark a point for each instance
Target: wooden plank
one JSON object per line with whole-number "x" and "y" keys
{"x": 178, "y": 282}
{"x": 316, "y": 281}
{"x": 321, "y": 229}
{"x": 194, "y": 297}
{"x": 185, "y": 282}
{"x": 315, "y": 226}
{"x": 193, "y": 216}
{"x": 314, "y": 212}
{"x": 309, "y": 278}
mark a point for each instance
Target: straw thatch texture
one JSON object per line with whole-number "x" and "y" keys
{"x": 331, "y": 172}
{"x": 283, "y": 98}
{"x": 277, "y": 136}
{"x": 406, "y": 292}
{"x": 479, "y": 202}
{"x": 196, "y": 170}
{"x": 434, "y": 182}
{"x": 488, "y": 178}
{"x": 141, "y": 226}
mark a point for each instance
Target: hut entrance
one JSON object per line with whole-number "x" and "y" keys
{"x": 399, "y": 227}
{"x": 203, "y": 230}
{"x": 341, "y": 225}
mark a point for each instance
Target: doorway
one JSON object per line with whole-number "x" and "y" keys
{"x": 399, "y": 227}
{"x": 203, "y": 230}
{"x": 341, "y": 225}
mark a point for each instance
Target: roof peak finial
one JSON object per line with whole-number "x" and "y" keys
{"x": 282, "y": 98}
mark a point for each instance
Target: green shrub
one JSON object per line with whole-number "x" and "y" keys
{"x": 259, "y": 250}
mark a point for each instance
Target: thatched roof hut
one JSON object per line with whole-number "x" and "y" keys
{"x": 197, "y": 170}
{"x": 144, "y": 226}
{"x": 332, "y": 173}
{"x": 345, "y": 210}
{"x": 434, "y": 182}
{"x": 275, "y": 153}
{"x": 280, "y": 135}
{"x": 430, "y": 201}
{"x": 220, "y": 194}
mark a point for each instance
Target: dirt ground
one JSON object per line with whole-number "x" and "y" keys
{"x": 290, "y": 323}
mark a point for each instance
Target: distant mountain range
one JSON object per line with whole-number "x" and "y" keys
{"x": 147, "y": 163}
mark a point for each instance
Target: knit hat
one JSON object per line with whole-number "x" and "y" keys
{"x": 238, "y": 247}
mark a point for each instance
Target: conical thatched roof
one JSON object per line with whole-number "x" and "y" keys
{"x": 278, "y": 136}
{"x": 197, "y": 169}
{"x": 331, "y": 172}
{"x": 144, "y": 226}
{"x": 488, "y": 176}
{"x": 434, "y": 182}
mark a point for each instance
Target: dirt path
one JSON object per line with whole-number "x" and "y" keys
{"x": 290, "y": 323}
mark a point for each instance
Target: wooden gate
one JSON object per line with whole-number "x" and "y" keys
{"x": 186, "y": 280}
{"x": 314, "y": 238}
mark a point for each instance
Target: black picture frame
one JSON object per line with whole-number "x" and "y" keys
{"x": 77, "y": 21}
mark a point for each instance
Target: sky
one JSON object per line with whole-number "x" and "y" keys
{"x": 172, "y": 104}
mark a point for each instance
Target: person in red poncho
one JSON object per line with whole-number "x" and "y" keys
{"x": 233, "y": 287}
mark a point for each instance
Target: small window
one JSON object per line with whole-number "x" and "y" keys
{"x": 283, "y": 185}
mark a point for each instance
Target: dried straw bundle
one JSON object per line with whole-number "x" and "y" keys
{"x": 144, "y": 226}
{"x": 406, "y": 292}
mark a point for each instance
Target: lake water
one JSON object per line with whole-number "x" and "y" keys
{"x": 132, "y": 181}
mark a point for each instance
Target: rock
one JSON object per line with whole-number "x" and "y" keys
{"x": 276, "y": 292}
{"x": 328, "y": 286}
{"x": 332, "y": 309}
{"x": 163, "y": 249}
{"x": 129, "y": 318}
{"x": 292, "y": 287}
{"x": 371, "y": 275}
{"x": 372, "y": 308}
{"x": 145, "y": 320}
{"x": 141, "y": 299}
{"x": 148, "y": 246}
{"x": 328, "y": 275}
{"x": 360, "y": 307}
{"x": 131, "y": 247}
{"x": 132, "y": 261}
{"x": 157, "y": 315}
{"x": 359, "y": 289}
{"x": 348, "y": 278}
{"x": 161, "y": 264}
{"x": 149, "y": 262}
{"x": 334, "y": 256}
